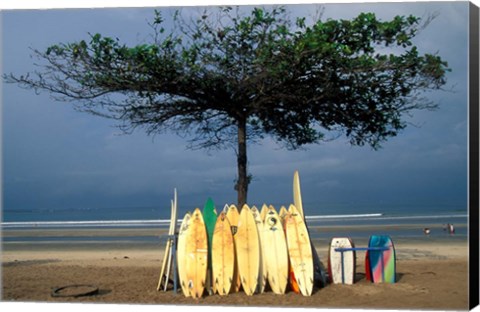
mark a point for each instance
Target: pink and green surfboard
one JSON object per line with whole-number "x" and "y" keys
{"x": 380, "y": 264}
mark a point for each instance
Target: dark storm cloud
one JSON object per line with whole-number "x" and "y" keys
{"x": 54, "y": 156}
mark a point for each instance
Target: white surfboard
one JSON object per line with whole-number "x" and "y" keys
{"x": 341, "y": 271}
{"x": 181, "y": 259}
{"x": 276, "y": 254}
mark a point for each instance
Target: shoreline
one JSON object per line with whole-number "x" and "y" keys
{"x": 161, "y": 231}
{"x": 85, "y": 239}
{"x": 405, "y": 250}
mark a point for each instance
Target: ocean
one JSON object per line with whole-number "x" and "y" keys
{"x": 327, "y": 221}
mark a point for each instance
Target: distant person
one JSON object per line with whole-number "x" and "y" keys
{"x": 451, "y": 229}
{"x": 426, "y": 231}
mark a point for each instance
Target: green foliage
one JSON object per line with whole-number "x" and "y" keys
{"x": 286, "y": 78}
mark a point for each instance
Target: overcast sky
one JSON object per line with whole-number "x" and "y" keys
{"x": 55, "y": 157}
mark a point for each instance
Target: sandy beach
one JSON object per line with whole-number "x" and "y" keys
{"x": 431, "y": 275}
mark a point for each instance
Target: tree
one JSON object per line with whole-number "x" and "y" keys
{"x": 229, "y": 78}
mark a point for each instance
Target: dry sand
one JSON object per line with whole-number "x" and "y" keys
{"x": 430, "y": 276}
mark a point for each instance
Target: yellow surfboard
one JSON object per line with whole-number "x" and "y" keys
{"x": 247, "y": 246}
{"x": 276, "y": 254}
{"x": 262, "y": 274}
{"x": 318, "y": 269}
{"x": 223, "y": 255}
{"x": 282, "y": 213}
{"x": 297, "y": 195}
{"x": 196, "y": 252}
{"x": 263, "y": 212}
{"x": 233, "y": 216}
{"x": 181, "y": 259}
{"x": 299, "y": 250}
{"x": 291, "y": 275}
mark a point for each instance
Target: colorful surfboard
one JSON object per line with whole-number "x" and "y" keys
{"x": 196, "y": 252}
{"x": 341, "y": 265}
{"x": 380, "y": 264}
{"x": 247, "y": 245}
{"x": 233, "y": 215}
{"x": 210, "y": 218}
{"x": 299, "y": 250}
{"x": 276, "y": 254}
{"x": 223, "y": 255}
{"x": 181, "y": 259}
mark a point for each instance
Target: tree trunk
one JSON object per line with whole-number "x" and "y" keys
{"x": 242, "y": 182}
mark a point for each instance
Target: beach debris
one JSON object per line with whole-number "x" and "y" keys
{"x": 75, "y": 291}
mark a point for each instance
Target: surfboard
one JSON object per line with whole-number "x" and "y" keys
{"x": 247, "y": 246}
{"x": 297, "y": 195}
{"x": 210, "y": 218}
{"x": 291, "y": 275}
{"x": 368, "y": 273}
{"x": 165, "y": 273}
{"x": 196, "y": 252}
{"x": 318, "y": 269}
{"x": 233, "y": 215}
{"x": 282, "y": 213}
{"x": 299, "y": 250}
{"x": 276, "y": 254}
{"x": 223, "y": 255}
{"x": 263, "y": 212}
{"x": 181, "y": 259}
{"x": 262, "y": 274}
{"x": 341, "y": 271}
{"x": 381, "y": 264}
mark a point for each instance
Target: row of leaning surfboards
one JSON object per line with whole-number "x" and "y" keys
{"x": 247, "y": 249}
{"x": 197, "y": 250}
{"x": 254, "y": 249}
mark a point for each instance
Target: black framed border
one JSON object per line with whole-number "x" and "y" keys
{"x": 474, "y": 84}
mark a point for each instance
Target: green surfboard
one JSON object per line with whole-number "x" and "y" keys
{"x": 210, "y": 218}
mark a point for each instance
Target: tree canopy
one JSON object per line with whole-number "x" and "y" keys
{"x": 227, "y": 78}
